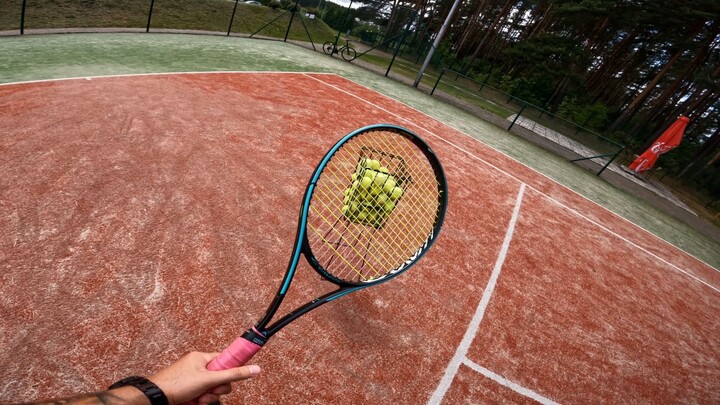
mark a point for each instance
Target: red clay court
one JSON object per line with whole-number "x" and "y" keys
{"x": 146, "y": 216}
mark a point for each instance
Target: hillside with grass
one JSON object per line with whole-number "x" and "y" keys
{"x": 203, "y": 15}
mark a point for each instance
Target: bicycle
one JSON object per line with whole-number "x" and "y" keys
{"x": 346, "y": 51}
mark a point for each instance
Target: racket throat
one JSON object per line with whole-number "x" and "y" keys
{"x": 254, "y": 336}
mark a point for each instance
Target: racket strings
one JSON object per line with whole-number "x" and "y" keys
{"x": 341, "y": 227}
{"x": 352, "y": 250}
{"x": 386, "y": 249}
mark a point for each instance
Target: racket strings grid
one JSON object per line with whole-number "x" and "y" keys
{"x": 358, "y": 251}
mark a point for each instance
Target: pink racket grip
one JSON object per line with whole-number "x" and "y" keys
{"x": 239, "y": 352}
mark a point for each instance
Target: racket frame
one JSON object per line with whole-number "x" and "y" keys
{"x": 263, "y": 330}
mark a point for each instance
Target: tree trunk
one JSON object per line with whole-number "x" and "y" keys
{"x": 631, "y": 109}
{"x": 712, "y": 144}
{"x": 488, "y": 34}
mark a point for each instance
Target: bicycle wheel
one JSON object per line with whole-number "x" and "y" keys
{"x": 348, "y": 53}
{"x": 328, "y": 47}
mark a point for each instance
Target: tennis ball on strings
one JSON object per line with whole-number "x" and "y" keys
{"x": 396, "y": 193}
{"x": 362, "y": 215}
{"x": 389, "y": 206}
{"x": 373, "y": 164}
{"x": 375, "y": 190}
{"x": 381, "y": 199}
{"x": 354, "y": 177}
{"x": 361, "y": 163}
{"x": 383, "y": 169}
{"x": 389, "y": 185}
{"x": 366, "y": 182}
{"x": 380, "y": 178}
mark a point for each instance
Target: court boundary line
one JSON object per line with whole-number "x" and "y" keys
{"x": 462, "y": 349}
{"x": 309, "y": 74}
{"x": 64, "y": 79}
{"x": 507, "y": 383}
{"x": 508, "y": 174}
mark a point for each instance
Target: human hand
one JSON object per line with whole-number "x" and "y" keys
{"x": 188, "y": 379}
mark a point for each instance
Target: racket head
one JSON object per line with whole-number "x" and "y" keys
{"x": 373, "y": 207}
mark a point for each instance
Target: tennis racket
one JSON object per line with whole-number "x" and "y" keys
{"x": 373, "y": 207}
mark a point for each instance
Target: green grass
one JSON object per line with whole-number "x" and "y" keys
{"x": 36, "y": 57}
{"x": 202, "y": 15}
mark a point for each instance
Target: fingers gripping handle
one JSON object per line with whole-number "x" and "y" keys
{"x": 239, "y": 352}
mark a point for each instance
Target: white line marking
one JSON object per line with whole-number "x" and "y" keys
{"x": 62, "y": 79}
{"x": 509, "y": 384}
{"x": 308, "y": 74}
{"x": 560, "y": 203}
{"x": 464, "y": 346}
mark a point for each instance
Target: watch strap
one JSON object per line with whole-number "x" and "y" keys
{"x": 151, "y": 391}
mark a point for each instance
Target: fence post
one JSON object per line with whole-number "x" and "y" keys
{"x": 609, "y": 161}
{"x": 22, "y": 18}
{"x": 517, "y": 116}
{"x": 152, "y": 4}
{"x": 401, "y": 41}
{"x": 292, "y": 16}
{"x": 232, "y": 17}
{"x": 486, "y": 79}
{"x": 438, "y": 81}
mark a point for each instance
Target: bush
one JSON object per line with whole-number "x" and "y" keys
{"x": 592, "y": 116}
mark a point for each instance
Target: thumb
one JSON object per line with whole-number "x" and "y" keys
{"x": 235, "y": 374}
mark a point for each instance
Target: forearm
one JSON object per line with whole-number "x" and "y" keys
{"x": 124, "y": 395}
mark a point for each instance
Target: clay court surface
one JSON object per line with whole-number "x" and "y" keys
{"x": 142, "y": 217}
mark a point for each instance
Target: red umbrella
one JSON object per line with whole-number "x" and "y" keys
{"x": 667, "y": 141}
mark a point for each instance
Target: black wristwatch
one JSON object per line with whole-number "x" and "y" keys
{"x": 151, "y": 391}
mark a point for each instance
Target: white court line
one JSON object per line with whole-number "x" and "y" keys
{"x": 64, "y": 79}
{"x": 462, "y": 349}
{"x": 509, "y": 384}
{"x": 308, "y": 74}
{"x": 560, "y": 203}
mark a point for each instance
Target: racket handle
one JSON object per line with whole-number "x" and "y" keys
{"x": 239, "y": 352}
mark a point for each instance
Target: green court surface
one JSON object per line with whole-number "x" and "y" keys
{"x": 41, "y": 57}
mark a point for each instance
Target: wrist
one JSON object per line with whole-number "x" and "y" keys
{"x": 142, "y": 387}
{"x": 125, "y": 395}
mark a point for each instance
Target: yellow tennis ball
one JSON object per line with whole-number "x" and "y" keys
{"x": 397, "y": 192}
{"x": 362, "y": 215}
{"x": 373, "y": 164}
{"x": 355, "y": 185}
{"x": 354, "y": 177}
{"x": 389, "y": 206}
{"x": 383, "y": 169}
{"x": 389, "y": 185}
{"x": 380, "y": 179}
{"x": 375, "y": 190}
{"x": 366, "y": 182}
{"x": 381, "y": 199}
